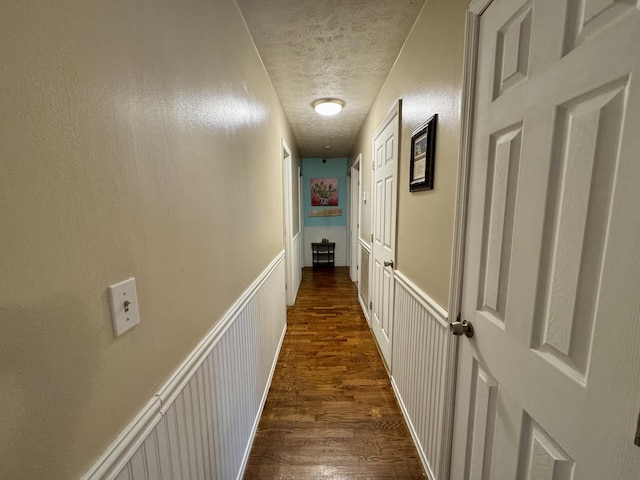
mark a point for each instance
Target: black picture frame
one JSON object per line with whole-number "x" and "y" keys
{"x": 423, "y": 150}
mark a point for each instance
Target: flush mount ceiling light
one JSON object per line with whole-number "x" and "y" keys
{"x": 328, "y": 106}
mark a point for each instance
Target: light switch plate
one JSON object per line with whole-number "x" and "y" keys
{"x": 124, "y": 306}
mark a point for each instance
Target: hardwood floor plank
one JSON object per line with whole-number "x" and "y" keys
{"x": 331, "y": 412}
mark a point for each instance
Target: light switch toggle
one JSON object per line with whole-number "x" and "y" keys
{"x": 124, "y": 306}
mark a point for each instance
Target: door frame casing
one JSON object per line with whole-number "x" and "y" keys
{"x": 468, "y": 100}
{"x": 287, "y": 193}
{"x": 354, "y": 218}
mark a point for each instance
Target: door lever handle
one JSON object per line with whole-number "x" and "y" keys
{"x": 389, "y": 264}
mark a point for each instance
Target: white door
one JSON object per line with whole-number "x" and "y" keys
{"x": 385, "y": 164}
{"x": 354, "y": 221}
{"x": 548, "y": 388}
{"x": 290, "y": 262}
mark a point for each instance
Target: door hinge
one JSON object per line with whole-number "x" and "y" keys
{"x": 370, "y": 305}
{"x": 372, "y": 237}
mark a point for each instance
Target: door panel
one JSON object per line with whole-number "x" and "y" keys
{"x": 580, "y": 195}
{"x": 548, "y": 386}
{"x": 385, "y": 147}
{"x": 484, "y": 391}
{"x": 502, "y": 188}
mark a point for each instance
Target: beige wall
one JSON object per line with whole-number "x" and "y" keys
{"x": 428, "y": 77}
{"x": 137, "y": 139}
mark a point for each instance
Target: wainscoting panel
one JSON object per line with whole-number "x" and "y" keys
{"x": 205, "y": 417}
{"x": 296, "y": 263}
{"x": 420, "y": 369}
{"x": 363, "y": 284}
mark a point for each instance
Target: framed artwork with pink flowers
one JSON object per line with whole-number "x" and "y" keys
{"x": 324, "y": 192}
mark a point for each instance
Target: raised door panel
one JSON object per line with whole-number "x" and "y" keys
{"x": 582, "y": 176}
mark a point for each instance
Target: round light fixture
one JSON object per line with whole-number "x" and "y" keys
{"x": 328, "y": 106}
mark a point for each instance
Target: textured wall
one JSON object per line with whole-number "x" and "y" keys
{"x": 428, "y": 77}
{"x": 137, "y": 139}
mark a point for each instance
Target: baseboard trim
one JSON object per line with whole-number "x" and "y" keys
{"x": 412, "y": 430}
{"x": 365, "y": 310}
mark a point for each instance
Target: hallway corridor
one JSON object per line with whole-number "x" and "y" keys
{"x": 331, "y": 412}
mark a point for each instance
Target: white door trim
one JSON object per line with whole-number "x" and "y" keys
{"x": 287, "y": 222}
{"x": 300, "y": 258}
{"x": 470, "y": 69}
{"x": 354, "y": 217}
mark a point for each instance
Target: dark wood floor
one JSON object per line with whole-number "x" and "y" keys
{"x": 331, "y": 412}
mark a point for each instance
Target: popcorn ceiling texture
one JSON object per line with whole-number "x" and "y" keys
{"x": 328, "y": 48}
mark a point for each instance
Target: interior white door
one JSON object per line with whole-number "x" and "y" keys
{"x": 354, "y": 220}
{"x": 288, "y": 224}
{"x": 548, "y": 388}
{"x": 385, "y": 163}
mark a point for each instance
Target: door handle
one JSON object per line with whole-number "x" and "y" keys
{"x": 389, "y": 264}
{"x": 461, "y": 328}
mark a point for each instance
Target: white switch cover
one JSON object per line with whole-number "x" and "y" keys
{"x": 124, "y": 306}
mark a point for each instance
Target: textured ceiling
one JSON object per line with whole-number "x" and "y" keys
{"x": 328, "y": 48}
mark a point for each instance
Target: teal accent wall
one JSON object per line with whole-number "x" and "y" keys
{"x": 333, "y": 168}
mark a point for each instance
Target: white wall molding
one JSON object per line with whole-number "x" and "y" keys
{"x": 296, "y": 262}
{"x": 365, "y": 310}
{"x": 425, "y": 300}
{"x": 477, "y": 7}
{"x": 121, "y": 450}
{"x": 366, "y": 246}
{"x": 185, "y": 430}
{"x": 183, "y": 374}
{"x": 364, "y": 252}
{"x": 421, "y": 343}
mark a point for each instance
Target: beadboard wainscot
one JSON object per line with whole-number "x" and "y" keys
{"x": 202, "y": 422}
{"x": 421, "y": 343}
{"x": 363, "y": 277}
{"x": 296, "y": 264}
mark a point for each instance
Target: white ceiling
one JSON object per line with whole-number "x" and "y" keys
{"x": 328, "y": 48}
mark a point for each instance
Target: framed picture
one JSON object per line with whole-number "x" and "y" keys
{"x": 324, "y": 192}
{"x": 423, "y": 149}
